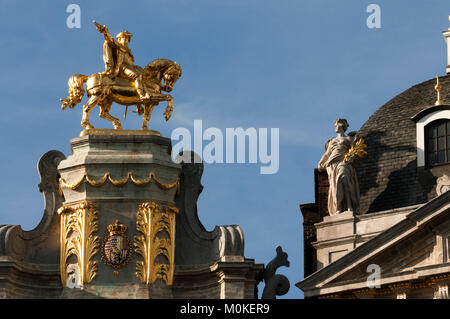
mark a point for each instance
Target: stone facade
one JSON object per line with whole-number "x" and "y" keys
{"x": 111, "y": 176}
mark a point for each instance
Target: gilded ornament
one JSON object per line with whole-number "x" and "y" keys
{"x": 357, "y": 149}
{"x": 438, "y": 88}
{"x": 77, "y": 238}
{"x": 119, "y": 182}
{"x": 156, "y": 244}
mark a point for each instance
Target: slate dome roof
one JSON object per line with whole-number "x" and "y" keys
{"x": 388, "y": 176}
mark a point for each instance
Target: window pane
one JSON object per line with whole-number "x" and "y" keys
{"x": 437, "y": 139}
{"x": 441, "y": 157}
{"x": 441, "y": 143}
{"x": 441, "y": 129}
{"x": 430, "y": 145}
{"x": 431, "y": 159}
{"x": 431, "y": 131}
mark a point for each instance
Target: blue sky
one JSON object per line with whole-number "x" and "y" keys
{"x": 292, "y": 65}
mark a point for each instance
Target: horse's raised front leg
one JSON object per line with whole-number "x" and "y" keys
{"x": 148, "y": 109}
{"x": 104, "y": 113}
{"x": 169, "y": 109}
{"x": 87, "y": 108}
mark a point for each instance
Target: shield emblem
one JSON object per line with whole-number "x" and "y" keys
{"x": 116, "y": 248}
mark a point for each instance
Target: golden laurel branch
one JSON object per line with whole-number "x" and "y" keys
{"x": 357, "y": 149}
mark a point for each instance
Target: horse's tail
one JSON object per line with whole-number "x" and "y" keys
{"x": 76, "y": 91}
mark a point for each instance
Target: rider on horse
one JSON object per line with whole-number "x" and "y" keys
{"x": 123, "y": 83}
{"x": 119, "y": 61}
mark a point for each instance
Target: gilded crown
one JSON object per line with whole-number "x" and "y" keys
{"x": 117, "y": 228}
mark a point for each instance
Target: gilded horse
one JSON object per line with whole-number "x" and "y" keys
{"x": 102, "y": 90}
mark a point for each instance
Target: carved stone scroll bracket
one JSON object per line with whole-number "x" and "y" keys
{"x": 22, "y": 245}
{"x": 79, "y": 244}
{"x": 156, "y": 244}
{"x": 276, "y": 284}
{"x": 442, "y": 184}
{"x": 231, "y": 241}
{"x": 196, "y": 245}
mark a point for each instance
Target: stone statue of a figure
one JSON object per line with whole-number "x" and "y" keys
{"x": 338, "y": 160}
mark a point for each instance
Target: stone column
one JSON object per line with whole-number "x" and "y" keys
{"x": 106, "y": 181}
{"x": 447, "y": 40}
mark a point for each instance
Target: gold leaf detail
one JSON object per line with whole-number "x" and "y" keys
{"x": 77, "y": 238}
{"x": 97, "y": 183}
{"x": 158, "y": 235}
{"x": 357, "y": 149}
{"x": 141, "y": 182}
{"x": 119, "y": 182}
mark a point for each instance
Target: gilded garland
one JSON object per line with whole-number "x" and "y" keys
{"x": 119, "y": 182}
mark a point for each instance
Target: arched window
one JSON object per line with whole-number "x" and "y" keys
{"x": 437, "y": 142}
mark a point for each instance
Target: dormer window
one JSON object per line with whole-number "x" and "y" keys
{"x": 437, "y": 142}
{"x": 433, "y": 136}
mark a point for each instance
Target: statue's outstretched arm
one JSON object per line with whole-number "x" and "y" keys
{"x": 104, "y": 30}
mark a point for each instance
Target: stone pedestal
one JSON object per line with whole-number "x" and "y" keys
{"x": 339, "y": 234}
{"x": 123, "y": 185}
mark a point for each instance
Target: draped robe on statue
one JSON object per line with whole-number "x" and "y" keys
{"x": 343, "y": 193}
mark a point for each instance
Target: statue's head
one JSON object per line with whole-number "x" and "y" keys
{"x": 124, "y": 37}
{"x": 341, "y": 124}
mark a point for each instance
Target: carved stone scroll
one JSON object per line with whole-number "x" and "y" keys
{"x": 442, "y": 184}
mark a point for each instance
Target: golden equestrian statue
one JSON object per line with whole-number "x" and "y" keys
{"x": 123, "y": 82}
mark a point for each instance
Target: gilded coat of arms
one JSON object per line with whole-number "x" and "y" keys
{"x": 116, "y": 248}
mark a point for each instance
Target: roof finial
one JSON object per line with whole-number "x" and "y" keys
{"x": 438, "y": 88}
